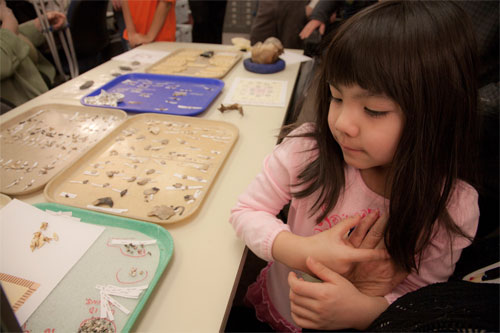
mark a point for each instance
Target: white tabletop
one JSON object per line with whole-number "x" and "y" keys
{"x": 198, "y": 285}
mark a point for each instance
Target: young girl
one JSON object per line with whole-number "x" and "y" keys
{"x": 147, "y": 21}
{"x": 395, "y": 132}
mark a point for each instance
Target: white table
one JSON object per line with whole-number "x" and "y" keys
{"x": 196, "y": 290}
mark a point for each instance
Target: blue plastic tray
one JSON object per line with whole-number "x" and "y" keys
{"x": 168, "y": 94}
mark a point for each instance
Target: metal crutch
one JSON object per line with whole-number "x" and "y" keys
{"x": 67, "y": 43}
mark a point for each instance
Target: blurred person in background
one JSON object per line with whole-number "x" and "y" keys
{"x": 25, "y": 72}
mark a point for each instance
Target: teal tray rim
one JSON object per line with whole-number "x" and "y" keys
{"x": 163, "y": 237}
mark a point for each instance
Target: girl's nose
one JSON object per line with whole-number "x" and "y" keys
{"x": 346, "y": 123}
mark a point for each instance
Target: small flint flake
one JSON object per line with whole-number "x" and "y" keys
{"x": 110, "y": 174}
{"x": 163, "y": 212}
{"x": 179, "y": 210}
{"x": 188, "y": 197}
{"x": 143, "y": 181}
{"x": 207, "y": 54}
{"x": 86, "y": 85}
{"x": 107, "y": 201}
{"x": 154, "y": 130}
{"x": 152, "y": 190}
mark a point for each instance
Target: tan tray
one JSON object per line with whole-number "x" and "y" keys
{"x": 189, "y": 62}
{"x": 180, "y": 155}
{"x": 4, "y": 200}
{"x": 43, "y": 140}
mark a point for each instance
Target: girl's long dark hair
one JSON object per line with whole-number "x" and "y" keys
{"x": 423, "y": 56}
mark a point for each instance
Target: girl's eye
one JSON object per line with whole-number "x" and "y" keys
{"x": 336, "y": 100}
{"x": 375, "y": 114}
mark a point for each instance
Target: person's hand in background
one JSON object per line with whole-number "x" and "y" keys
{"x": 8, "y": 19}
{"x": 117, "y": 5}
{"x": 56, "y": 21}
{"x": 310, "y": 27}
{"x": 136, "y": 39}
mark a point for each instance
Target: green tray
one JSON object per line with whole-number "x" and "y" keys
{"x": 164, "y": 242}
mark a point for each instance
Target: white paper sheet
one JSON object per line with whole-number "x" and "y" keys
{"x": 143, "y": 56}
{"x": 292, "y": 57}
{"x": 48, "y": 264}
{"x": 260, "y": 92}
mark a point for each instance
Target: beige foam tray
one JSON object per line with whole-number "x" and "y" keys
{"x": 180, "y": 155}
{"x": 189, "y": 62}
{"x": 43, "y": 140}
{"x": 4, "y": 200}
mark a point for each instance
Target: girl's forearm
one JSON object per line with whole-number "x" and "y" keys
{"x": 289, "y": 249}
{"x": 127, "y": 17}
{"x": 159, "y": 19}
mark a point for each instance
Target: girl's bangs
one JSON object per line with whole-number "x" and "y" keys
{"x": 365, "y": 55}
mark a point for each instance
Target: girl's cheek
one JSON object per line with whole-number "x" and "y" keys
{"x": 331, "y": 118}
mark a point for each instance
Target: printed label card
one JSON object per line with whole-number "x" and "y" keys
{"x": 259, "y": 92}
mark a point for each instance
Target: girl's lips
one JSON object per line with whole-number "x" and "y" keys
{"x": 349, "y": 148}
{"x": 344, "y": 147}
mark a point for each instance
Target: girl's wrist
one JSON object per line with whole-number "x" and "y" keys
{"x": 291, "y": 250}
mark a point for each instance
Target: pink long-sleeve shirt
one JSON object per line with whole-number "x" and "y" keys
{"x": 254, "y": 218}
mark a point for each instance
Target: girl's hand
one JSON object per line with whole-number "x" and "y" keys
{"x": 369, "y": 233}
{"x": 331, "y": 247}
{"x": 339, "y": 252}
{"x": 331, "y": 305}
{"x": 378, "y": 277}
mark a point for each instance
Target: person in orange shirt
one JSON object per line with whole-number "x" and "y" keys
{"x": 148, "y": 20}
